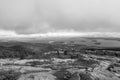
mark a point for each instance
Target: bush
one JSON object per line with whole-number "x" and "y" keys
{"x": 63, "y": 75}
{"x": 9, "y": 75}
{"x": 85, "y": 76}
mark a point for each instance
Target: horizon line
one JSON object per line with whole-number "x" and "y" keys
{"x": 12, "y": 34}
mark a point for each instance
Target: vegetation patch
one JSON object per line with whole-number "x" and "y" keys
{"x": 9, "y": 75}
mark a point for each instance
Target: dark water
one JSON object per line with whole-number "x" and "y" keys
{"x": 109, "y": 43}
{"x": 103, "y": 43}
{"x": 99, "y": 42}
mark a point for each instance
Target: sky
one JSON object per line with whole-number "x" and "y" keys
{"x": 25, "y": 17}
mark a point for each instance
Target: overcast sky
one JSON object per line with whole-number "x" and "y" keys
{"x": 42, "y": 16}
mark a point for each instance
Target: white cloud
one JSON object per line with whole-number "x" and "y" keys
{"x": 66, "y": 33}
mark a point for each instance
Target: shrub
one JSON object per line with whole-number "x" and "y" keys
{"x": 9, "y": 75}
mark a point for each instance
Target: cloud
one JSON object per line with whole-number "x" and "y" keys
{"x": 43, "y": 16}
{"x": 12, "y": 35}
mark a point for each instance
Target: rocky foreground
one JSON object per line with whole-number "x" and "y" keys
{"x": 63, "y": 69}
